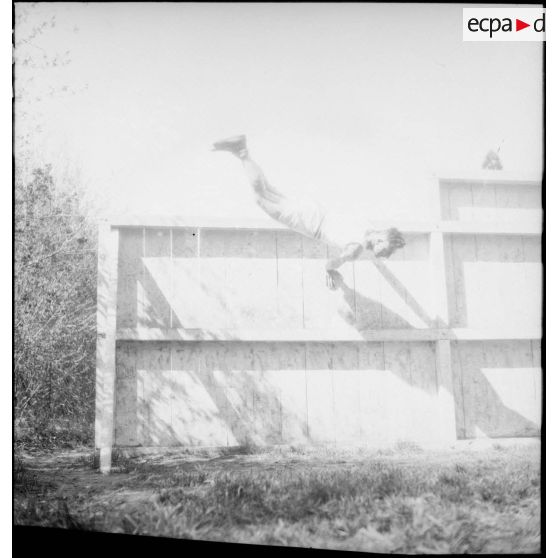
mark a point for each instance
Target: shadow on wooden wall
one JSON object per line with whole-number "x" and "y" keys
{"x": 172, "y": 394}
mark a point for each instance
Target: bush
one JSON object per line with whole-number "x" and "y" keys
{"x": 54, "y": 313}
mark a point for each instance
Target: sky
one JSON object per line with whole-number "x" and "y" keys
{"x": 359, "y": 106}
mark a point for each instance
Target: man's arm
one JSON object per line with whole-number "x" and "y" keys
{"x": 349, "y": 253}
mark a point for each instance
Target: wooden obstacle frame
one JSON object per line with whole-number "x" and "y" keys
{"x": 221, "y": 332}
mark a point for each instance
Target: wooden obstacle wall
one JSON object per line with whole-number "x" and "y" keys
{"x": 220, "y": 333}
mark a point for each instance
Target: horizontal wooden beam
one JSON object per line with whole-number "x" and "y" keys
{"x": 188, "y": 221}
{"x": 523, "y": 228}
{"x": 489, "y": 177}
{"x": 470, "y": 334}
{"x": 317, "y": 335}
{"x": 513, "y": 227}
{"x": 169, "y": 221}
{"x": 288, "y": 335}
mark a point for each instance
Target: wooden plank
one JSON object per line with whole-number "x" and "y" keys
{"x": 524, "y": 293}
{"x": 331, "y": 335}
{"x": 532, "y": 249}
{"x": 484, "y": 176}
{"x": 446, "y": 313}
{"x": 501, "y": 333}
{"x": 537, "y": 378}
{"x": 484, "y": 203}
{"x": 536, "y": 352}
{"x": 105, "y": 374}
{"x": 375, "y": 399}
{"x": 514, "y": 218}
{"x": 502, "y": 280}
{"x": 398, "y": 399}
{"x": 526, "y": 227}
{"x": 344, "y": 298}
{"x": 460, "y": 197}
{"x": 499, "y": 395}
{"x": 503, "y": 202}
{"x": 239, "y": 278}
{"x": 423, "y": 368}
{"x": 142, "y": 429}
{"x": 251, "y": 270}
{"x": 485, "y": 403}
{"x": 510, "y": 248}
{"x": 438, "y": 280}
{"x": 463, "y": 252}
{"x": 234, "y": 375}
{"x": 236, "y": 223}
{"x": 324, "y": 307}
{"x": 198, "y": 415}
{"x": 471, "y": 361}
{"x": 192, "y": 221}
{"x": 531, "y": 197}
{"x": 508, "y": 195}
{"x": 445, "y": 207}
{"x": 505, "y": 394}
{"x": 395, "y": 311}
{"x": 484, "y": 280}
{"x": 367, "y": 294}
{"x": 531, "y": 282}
{"x": 264, "y": 335}
{"x": 498, "y": 291}
{"x": 413, "y": 227}
{"x": 157, "y": 278}
{"x": 381, "y": 294}
{"x": 189, "y": 299}
{"x": 294, "y": 411}
{"x": 184, "y": 243}
{"x": 125, "y": 413}
{"x": 155, "y": 379}
{"x": 213, "y": 307}
{"x": 185, "y": 281}
{"x": 290, "y": 296}
{"x": 459, "y": 402}
{"x": 488, "y": 206}
{"x": 346, "y": 393}
{"x": 403, "y": 286}
{"x": 399, "y": 390}
{"x": 415, "y": 275}
{"x": 130, "y": 272}
{"x": 126, "y": 396}
{"x": 319, "y": 389}
{"x": 278, "y": 387}
{"x": 271, "y": 360}
{"x": 446, "y": 392}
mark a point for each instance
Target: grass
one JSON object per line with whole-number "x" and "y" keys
{"x": 401, "y": 501}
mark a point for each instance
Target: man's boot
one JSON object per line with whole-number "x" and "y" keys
{"x": 235, "y": 145}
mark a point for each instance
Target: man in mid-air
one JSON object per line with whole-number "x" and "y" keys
{"x": 351, "y": 234}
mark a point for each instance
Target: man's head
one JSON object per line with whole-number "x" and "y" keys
{"x": 384, "y": 243}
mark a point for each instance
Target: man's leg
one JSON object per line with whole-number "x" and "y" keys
{"x": 263, "y": 189}
{"x": 301, "y": 216}
{"x": 259, "y": 182}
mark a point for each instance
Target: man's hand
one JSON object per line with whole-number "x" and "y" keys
{"x": 349, "y": 253}
{"x": 333, "y": 279}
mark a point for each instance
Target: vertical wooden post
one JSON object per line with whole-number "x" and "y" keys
{"x": 446, "y": 400}
{"x": 106, "y": 344}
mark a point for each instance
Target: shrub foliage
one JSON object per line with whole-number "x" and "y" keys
{"x": 54, "y": 311}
